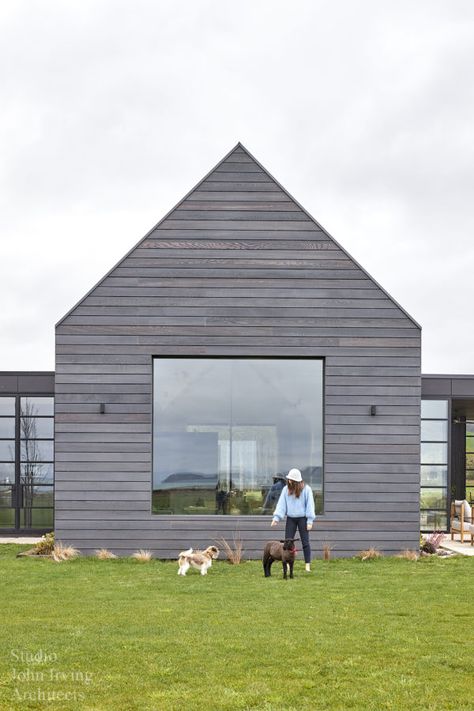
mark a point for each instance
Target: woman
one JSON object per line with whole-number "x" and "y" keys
{"x": 296, "y": 502}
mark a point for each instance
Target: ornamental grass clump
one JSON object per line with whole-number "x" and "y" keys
{"x": 142, "y": 556}
{"x": 407, "y": 554}
{"x": 327, "y": 548}
{"x": 45, "y": 545}
{"x": 233, "y": 551}
{"x": 369, "y": 554}
{"x": 104, "y": 554}
{"x": 62, "y": 553}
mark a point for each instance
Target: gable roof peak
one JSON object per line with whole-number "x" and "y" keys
{"x": 237, "y": 146}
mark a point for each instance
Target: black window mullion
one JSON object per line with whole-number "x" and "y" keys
{"x": 17, "y": 462}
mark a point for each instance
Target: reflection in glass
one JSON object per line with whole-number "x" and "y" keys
{"x": 433, "y": 498}
{"x": 7, "y": 517}
{"x": 432, "y": 475}
{"x": 34, "y": 453}
{"x": 7, "y": 450}
{"x": 433, "y": 520}
{"x": 7, "y": 427}
{"x": 37, "y": 473}
{"x": 33, "y": 406}
{"x": 7, "y": 473}
{"x": 435, "y": 409}
{"x": 42, "y": 427}
{"x": 37, "y": 496}
{"x": 37, "y": 450}
{"x": 434, "y": 453}
{"x": 5, "y": 496}
{"x": 434, "y": 431}
{"x": 224, "y": 428}
{"x": 37, "y": 518}
{"x": 7, "y": 406}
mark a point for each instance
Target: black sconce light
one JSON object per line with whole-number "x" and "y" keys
{"x": 373, "y": 410}
{"x": 102, "y": 408}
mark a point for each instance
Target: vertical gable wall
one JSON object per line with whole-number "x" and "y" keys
{"x": 238, "y": 268}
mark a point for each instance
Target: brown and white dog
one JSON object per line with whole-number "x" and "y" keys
{"x": 202, "y": 560}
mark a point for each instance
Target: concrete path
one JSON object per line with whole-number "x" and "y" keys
{"x": 20, "y": 539}
{"x": 456, "y": 546}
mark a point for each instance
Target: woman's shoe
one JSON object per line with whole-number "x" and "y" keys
{"x": 307, "y": 567}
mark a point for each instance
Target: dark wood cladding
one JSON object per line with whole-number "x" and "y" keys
{"x": 238, "y": 268}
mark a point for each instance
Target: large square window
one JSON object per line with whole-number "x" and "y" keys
{"x": 226, "y": 432}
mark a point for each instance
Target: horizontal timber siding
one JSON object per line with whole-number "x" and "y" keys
{"x": 237, "y": 269}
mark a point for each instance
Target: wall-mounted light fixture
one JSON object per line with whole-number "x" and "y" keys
{"x": 102, "y": 408}
{"x": 373, "y": 410}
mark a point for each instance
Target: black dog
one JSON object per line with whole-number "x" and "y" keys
{"x": 279, "y": 550}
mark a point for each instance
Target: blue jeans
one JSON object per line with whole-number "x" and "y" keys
{"x": 299, "y": 523}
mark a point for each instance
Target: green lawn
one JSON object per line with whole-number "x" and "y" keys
{"x": 384, "y": 634}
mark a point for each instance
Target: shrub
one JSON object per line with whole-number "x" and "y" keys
{"x": 233, "y": 551}
{"x": 62, "y": 552}
{"x": 369, "y": 554}
{"x": 435, "y": 539}
{"x": 407, "y": 554}
{"x": 142, "y": 556}
{"x": 104, "y": 554}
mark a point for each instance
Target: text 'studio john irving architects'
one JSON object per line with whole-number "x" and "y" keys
{"x": 238, "y": 339}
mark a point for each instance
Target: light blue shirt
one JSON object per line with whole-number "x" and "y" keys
{"x": 289, "y": 505}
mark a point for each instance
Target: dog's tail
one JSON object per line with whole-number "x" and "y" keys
{"x": 183, "y": 554}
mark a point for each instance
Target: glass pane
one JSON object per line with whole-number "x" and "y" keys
{"x": 7, "y": 473}
{"x": 37, "y": 518}
{"x": 7, "y": 518}
{"x": 433, "y": 521}
{"x": 7, "y": 427}
{"x": 7, "y": 450}
{"x": 226, "y": 430}
{"x": 433, "y": 476}
{"x": 434, "y": 431}
{"x": 7, "y": 406}
{"x": 5, "y": 496}
{"x": 470, "y": 461}
{"x": 36, "y": 450}
{"x": 437, "y": 409}
{"x": 37, "y": 473}
{"x": 469, "y": 444}
{"x": 433, "y": 499}
{"x": 31, "y": 406}
{"x": 433, "y": 453}
{"x": 32, "y": 427}
{"x": 37, "y": 496}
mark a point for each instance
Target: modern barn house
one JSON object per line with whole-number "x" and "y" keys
{"x": 235, "y": 341}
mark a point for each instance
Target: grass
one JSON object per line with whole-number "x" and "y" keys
{"x": 385, "y": 634}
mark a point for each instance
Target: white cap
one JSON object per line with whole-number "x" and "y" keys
{"x": 294, "y": 475}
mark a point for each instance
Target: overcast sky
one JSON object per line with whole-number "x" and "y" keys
{"x": 111, "y": 111}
